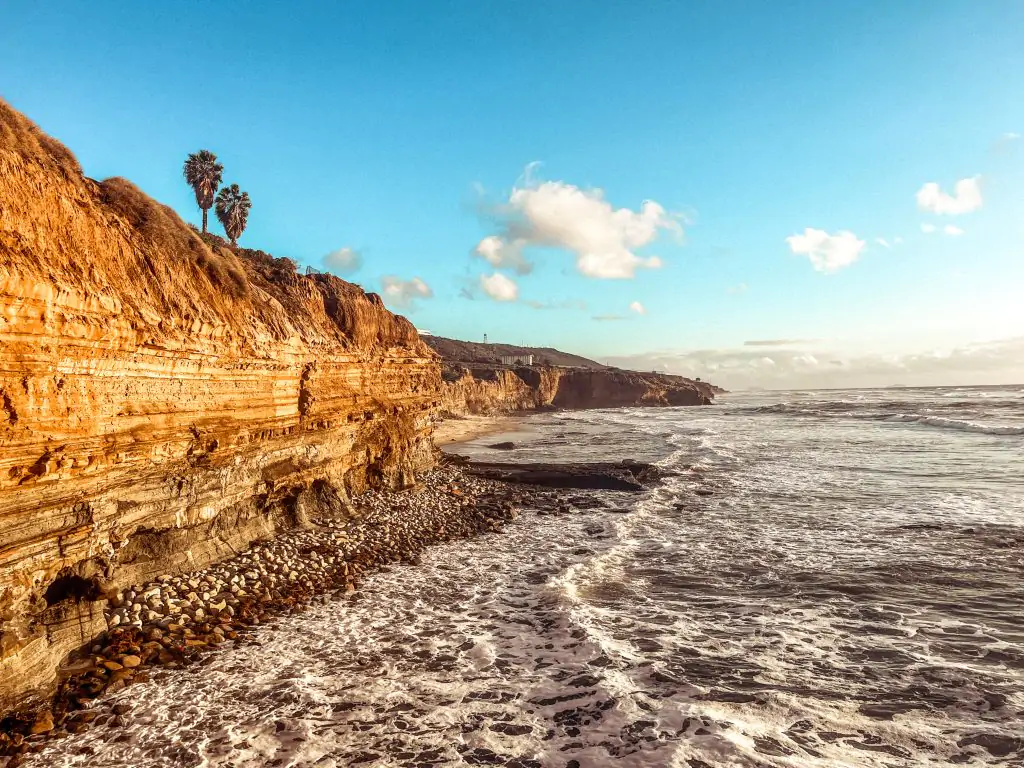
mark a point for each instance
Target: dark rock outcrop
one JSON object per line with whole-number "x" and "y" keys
{"x": 612, "y": 476}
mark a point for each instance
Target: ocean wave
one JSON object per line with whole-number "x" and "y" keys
{"x": 829, "y": 407}
{"x": 962, "y": 416}
{"x": 964, "y": 426}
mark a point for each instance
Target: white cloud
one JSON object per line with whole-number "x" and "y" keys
{"x": 828, "y": 253}
{"x": 883, "y": 242}
{"x": 403, "y": 293}
{"x": 556, "y": 214}
{"x": 343, "y": 261}
{"x": 741, "y": 288}
{"x": 504, "y": 255}
{"x": 927, "y": 228}
{"x": 639, "y": 308}
{"x": 499, "y": 287}
{"x": 966, "y": 197}
{"x": 949, "y": 229}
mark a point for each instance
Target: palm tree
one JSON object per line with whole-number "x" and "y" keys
{"x": 203, "y": 173}
{"x": 232, "y": 208}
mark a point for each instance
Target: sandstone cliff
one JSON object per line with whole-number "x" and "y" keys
{"x": 164, "y": 401}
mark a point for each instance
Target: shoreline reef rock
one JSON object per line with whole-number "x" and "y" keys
{"x": 166, "y": 399}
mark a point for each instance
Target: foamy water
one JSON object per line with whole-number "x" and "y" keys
{"x": 831, "y": 579}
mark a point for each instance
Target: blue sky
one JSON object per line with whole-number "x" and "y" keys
{"x": 406, "y": 131}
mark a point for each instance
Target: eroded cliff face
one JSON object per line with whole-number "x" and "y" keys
{"x": 163, "y": 402}
{"x": 487, "y": 389}
{"x": 615, "y": 388}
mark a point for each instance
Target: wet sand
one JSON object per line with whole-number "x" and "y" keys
{"x": 466, "y": 428}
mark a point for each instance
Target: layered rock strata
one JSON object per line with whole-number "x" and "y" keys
{"x": 165, "y": 400}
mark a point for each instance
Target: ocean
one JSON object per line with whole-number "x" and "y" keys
{"x": 830, "y": 578}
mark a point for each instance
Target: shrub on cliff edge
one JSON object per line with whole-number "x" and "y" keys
{"x": 20, "y": 134}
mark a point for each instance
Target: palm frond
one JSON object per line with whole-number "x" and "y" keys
{"x": 232, "y": 208}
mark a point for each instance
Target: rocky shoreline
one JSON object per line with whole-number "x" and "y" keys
{"x": 175, "y": 622}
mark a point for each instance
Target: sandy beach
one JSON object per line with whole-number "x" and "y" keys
{"x": 468, "y": 428}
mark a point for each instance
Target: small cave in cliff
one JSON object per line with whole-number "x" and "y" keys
{"x": 68, "y": 586}
{"x": 528, "y": 376}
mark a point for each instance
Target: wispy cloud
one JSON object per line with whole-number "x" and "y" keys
{"x": 567, "y": 304}
{"x": 556, "y": 214}
{"x": 966, "y": 197}
{"x": 889, "y": 243}
{"x": 343, "y": 261}
{"x": 949, "y": 229}
{"x": 1006, "y": 143}
{"x": 777, "y": 342}
{"x": 927, "y": 228}
{"x": 606, "y": 318}
{"x": 984, "y": 363}
{"x": 827, "y": 253}
{"x": 404, "y": 293}
{"x": 741, "y": 288}
{"x": 637, "y": 307}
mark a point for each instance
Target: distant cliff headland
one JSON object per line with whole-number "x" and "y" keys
{"x": 502, "y": 378}
{"x": 167, "y": 397}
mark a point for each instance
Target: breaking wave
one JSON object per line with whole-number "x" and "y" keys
{"x": 965, "y": 426}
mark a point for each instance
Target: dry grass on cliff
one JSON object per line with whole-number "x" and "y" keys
{"x": 165, "y": 230}
{"x": 158, "y": 224}
{"x": 112, "y": 238}
{"x": 224, "y": 272}
{"x": 21, "y": 135}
